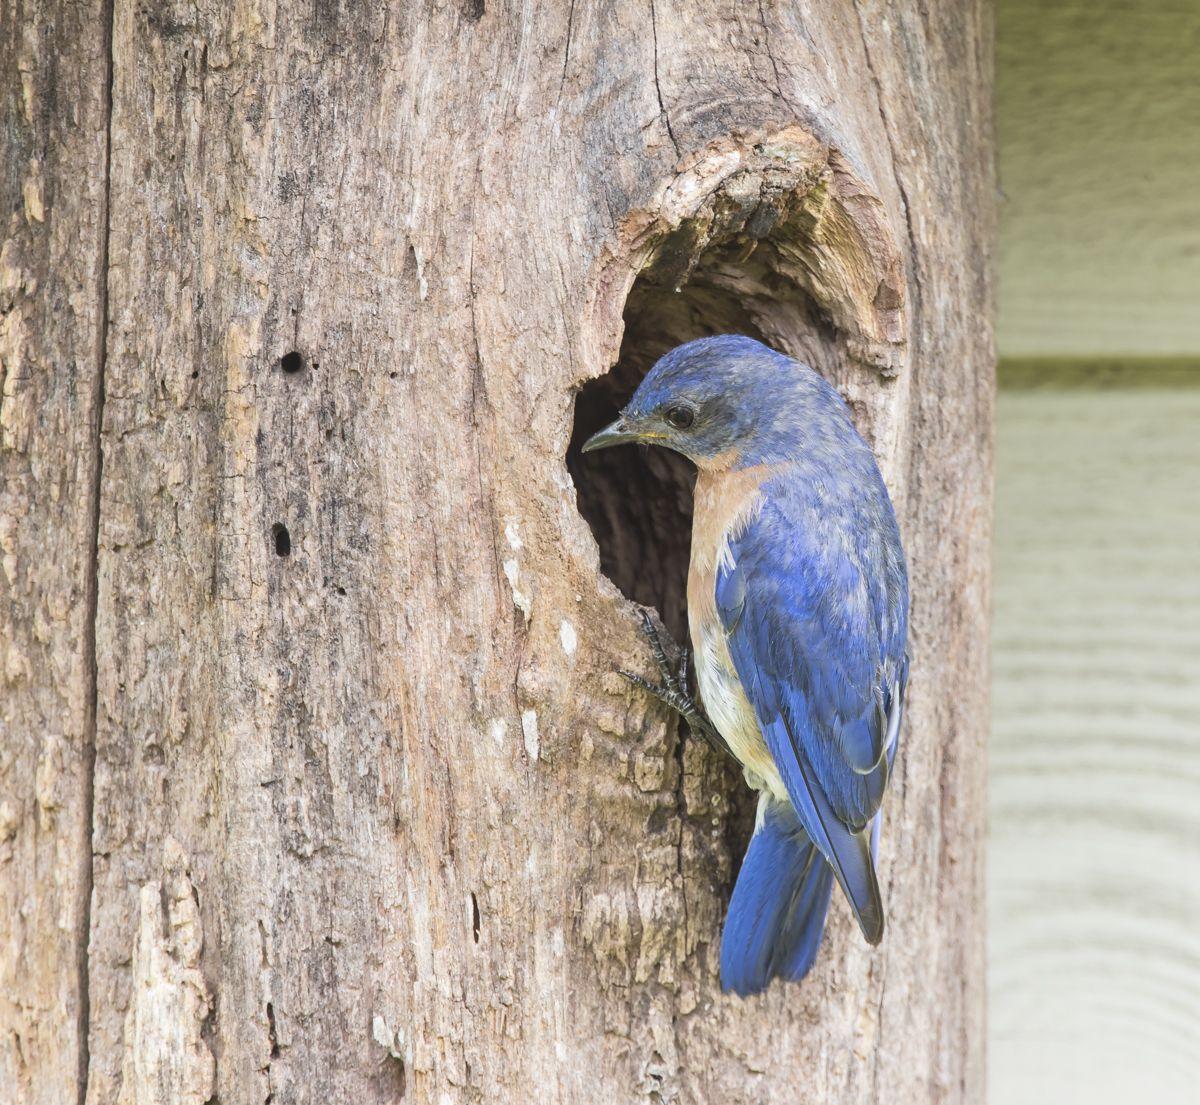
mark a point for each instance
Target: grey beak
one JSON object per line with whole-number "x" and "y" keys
{"x": 616, "y": 434}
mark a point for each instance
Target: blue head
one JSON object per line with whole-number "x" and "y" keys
{"x": 726, "y": 402}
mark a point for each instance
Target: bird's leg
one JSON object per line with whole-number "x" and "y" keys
{"x": 673, "y": 690}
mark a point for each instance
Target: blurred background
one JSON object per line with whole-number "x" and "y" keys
{"x": 1094, "y": 927}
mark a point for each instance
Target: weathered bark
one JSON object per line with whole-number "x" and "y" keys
{"x": 53, "y": 83}
{"x": 371, "y": 818}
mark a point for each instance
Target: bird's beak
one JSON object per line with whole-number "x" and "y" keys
{"x": 619, "y": 433}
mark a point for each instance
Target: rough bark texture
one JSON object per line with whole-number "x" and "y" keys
{"x": 54, "y": 104}
{"x": 289, "y": 386}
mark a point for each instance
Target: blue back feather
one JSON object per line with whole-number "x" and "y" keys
{"x": 813, "y": 599}
{"x": 815, "y": 611}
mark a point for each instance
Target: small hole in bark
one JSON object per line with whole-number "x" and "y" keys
{"x": 272, "y": 1032}
{"x": 391, "y": 1081}
{"x": 476, "y": 922}
{"x": 291, "y": 363}
{"x": 282, "y": 539}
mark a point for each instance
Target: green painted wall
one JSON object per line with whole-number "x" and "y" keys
{"x": 1098, "y": 120}
{"x": 1094, "y": 849}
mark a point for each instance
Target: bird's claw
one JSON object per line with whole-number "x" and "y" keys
{"x": 673, "y": 690}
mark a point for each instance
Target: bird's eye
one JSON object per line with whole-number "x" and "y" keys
{"x": 680, "y": 417}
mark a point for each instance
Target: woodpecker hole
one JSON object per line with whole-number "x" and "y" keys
{"x": 291, "y": 363}
{"x": 282, "y": 539}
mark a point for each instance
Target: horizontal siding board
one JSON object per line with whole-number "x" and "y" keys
{"x": 1094, "y": 868}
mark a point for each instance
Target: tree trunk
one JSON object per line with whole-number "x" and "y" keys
{"x": 316, "y": 783}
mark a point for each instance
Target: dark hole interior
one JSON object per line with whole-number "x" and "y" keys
{"x": 291, "y": 362}
{"x": 272, "y": 1032}
{"x": 282, "y": 539}
{"x": 638, "y": 500}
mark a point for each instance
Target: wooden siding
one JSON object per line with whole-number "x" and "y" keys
{"x": 1094, "y": 867}
{"x": 1098, "y": 128}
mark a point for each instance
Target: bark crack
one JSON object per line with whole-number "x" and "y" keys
{"x": 662, "y": 107}
{"x": 680, "y": 802}
{"x": 762, "y": 18}
{"x": 92, "y": 580}
{"x": 567, "y": 55}
{"x": 3, "y": 370}
{"x": 478, "y": 387}
{"x": 887, "y": 129}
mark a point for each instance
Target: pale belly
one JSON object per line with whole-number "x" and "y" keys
{"x": 730, "y": 711}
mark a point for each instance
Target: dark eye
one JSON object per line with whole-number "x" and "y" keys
{"x": 680, "y": 417}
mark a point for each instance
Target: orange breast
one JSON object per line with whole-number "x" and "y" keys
{"x": 725, "y": 503}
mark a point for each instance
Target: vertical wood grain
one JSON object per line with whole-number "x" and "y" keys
{"x": 53, "y": 171}
{"x": 374, "y": 820}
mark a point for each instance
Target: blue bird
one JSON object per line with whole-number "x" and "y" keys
{"x": 798, "y": 617}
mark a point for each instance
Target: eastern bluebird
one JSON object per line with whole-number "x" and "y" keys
{"x": 798, "y": 616}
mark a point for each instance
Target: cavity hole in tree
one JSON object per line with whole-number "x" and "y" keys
{"x": 638, "y": 500}
{"x": 282, "y": 539}
{"x": 291, "y": 363}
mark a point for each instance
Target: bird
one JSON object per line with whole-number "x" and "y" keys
{"x": 797, "y": 595}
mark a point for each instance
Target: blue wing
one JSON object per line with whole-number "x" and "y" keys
{"x": 814, "y": 602}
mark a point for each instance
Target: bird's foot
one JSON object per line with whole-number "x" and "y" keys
{"x": 673, "y": 690}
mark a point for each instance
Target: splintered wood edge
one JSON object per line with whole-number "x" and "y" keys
{"x": 830, "y": 230}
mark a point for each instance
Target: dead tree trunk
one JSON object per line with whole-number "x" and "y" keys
{"x": 315, "y": 783}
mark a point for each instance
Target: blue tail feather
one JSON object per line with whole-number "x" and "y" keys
{"x": 777, "y": 913}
